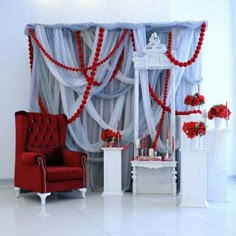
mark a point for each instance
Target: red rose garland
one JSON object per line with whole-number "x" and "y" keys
{"x": 98, "y": 63}
{"x": 90, "y": 79}
{"x": 154, "y": 145}
{"x": 132, "y": 40}
{"x": 118, "y": 65}
{"x": 195, "y": 54}
{"x": 84, "y": 70}
{"x": 30, "y": 46}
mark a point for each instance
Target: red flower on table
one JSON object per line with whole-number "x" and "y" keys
{"x": 109, "y": 135}
{"x": 194, "y": 128}
{"x": 194, "y": 100}
{"x": 220, "y": 111}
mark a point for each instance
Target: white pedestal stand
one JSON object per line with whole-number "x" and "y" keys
{"x": 112, "y": 171}
{"x": 217, "y": 142}
{"x": 193, "y": 176}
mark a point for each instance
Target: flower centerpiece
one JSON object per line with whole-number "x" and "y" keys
{"x": 194, "y": 100}
{"x": 110, "y": 136}
{"x": 220, "y": 111}
{"x": 194, "y": 128}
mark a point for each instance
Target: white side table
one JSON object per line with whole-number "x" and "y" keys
{"x": 217, "y": 142}
{"x": 154, "y": 177}
{"x": 112, "y": 171}
{"x": 193, "y": 176}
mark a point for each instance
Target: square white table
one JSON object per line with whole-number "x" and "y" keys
{"x": 154, "y": 177}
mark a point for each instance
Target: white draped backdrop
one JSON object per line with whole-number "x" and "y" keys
{"x": 62, "y": 90}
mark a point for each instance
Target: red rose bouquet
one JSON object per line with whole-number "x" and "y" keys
{"x": 195, "y": 100}
{"x": 194, "y": 128}
{"x": 109, "y": 135}
{"x": 220, "y": 111}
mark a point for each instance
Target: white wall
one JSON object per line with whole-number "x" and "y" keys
{"x": 15, "y": 75}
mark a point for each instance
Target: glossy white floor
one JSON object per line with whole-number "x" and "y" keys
{"x": 143, "y": 214}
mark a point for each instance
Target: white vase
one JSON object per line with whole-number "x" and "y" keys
{"x": 219, "y": 122}
{"x": 194, "y": 143}
{"x": 110, "y": 144}
{"x": 192, "y": 108}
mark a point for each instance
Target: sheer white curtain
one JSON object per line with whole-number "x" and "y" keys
{"x": 62, "y": 90}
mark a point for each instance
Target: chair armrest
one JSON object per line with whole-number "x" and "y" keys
{"x": 74, "y": 158}
{"x": 31, "y": 158}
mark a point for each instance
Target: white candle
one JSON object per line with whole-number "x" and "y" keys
{"x": 167, "y": 145}
{"x": 137, "y": 143}
{"x": 167, "y": 132}
{"x": 173, "y": 144}
{"x": 150, "y": 152}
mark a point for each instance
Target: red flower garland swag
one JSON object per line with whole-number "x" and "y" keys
{"x": 154, "y": 145}
{"x": 195, "y": 54}
{"x": 90, "y": 79}
{"x": 98, "y": 63}
{"x": 30, "y": 46}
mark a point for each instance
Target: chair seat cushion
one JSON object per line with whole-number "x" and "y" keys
{"x": 60, "y": 173}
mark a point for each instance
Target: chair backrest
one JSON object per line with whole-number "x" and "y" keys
{"x": 39, "y": 131}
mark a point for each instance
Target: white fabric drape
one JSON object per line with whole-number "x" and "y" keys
{"x": 62, "y": 90}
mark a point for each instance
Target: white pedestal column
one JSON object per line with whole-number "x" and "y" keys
{"x": 112, "y": 171}
{"x": 186, "y": 143}
{"x": 217, "y": 143}
{"x": 193, "y": 176}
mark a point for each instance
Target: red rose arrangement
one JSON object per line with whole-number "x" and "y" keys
{"x": 194, "y": 128}
{"x": 220, "y": 111}
{"x": 194, "y": 100}
{"x": 109, "y": 135}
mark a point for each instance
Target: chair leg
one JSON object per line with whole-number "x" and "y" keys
{"x": 43, "y": 197}
{"x": 83, "y": 191}
{"x": 17, "y": 190}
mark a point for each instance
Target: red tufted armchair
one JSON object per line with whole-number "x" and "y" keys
{"x": 42, "y": 164}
